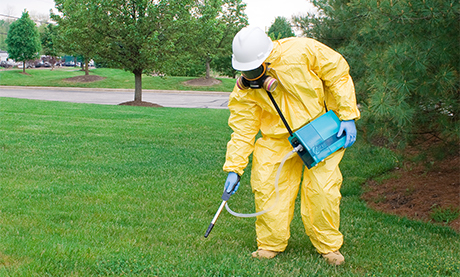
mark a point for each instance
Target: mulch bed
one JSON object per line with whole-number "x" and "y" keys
{"x": 85, "y": 79}
{"x": 417, "y": 190}
{"x": 202, "y": 82}
{"x": 140, "y": 104}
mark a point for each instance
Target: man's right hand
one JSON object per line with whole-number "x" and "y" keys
{"x": 232, "y": 183}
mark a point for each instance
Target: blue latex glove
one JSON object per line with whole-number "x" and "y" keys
{"x": 350, "y": 130}
{"x": 232, "y": 178}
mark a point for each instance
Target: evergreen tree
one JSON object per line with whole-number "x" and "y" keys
{"x": 281, "y": 28}
{"x": 404, "y": 59}
{"x": 413, "y": 78}
{"x": 23, "y": 40}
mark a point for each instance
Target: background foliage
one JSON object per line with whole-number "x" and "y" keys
{"x": 213, "y": 25}
{"x": 281, "y": 28}
{"x": 4, "y": 27}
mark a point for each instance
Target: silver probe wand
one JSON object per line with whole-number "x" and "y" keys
{"x": 225, "y": 196}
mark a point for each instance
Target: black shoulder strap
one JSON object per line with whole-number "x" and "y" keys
{"x": 279, "y": 112}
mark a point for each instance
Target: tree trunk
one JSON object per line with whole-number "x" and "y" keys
{"x": 86, "y": 67}
{"x": 53, "y": 62}
{"x": 24, "y": 67}
{"x": 208, "y": 69}
{"x": 137, "y": 85}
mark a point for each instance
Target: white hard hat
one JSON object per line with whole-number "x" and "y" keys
{"x": 251, "y": 46}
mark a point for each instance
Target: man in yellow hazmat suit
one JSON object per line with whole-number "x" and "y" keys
{"x": 311, "y": 79}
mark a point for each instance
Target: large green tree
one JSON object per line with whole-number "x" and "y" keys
{"x": 75, "y": 34}
{"x": 281, "y": 28}
{"x": 48, "y": 38}
{"x": 138, "y": 35}
{"x": 215, "y": 22}
{"x": 404, "y": 58}
{"x": 234, "y": 18}
{"x": 23, "y": 40}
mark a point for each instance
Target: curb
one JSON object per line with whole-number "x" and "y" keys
{"x": 118, "y": 90}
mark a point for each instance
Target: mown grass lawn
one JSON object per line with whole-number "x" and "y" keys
{"x": 97, "y": 190}
{"x": 115, "y": 78}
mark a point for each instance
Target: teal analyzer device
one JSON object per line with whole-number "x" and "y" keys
{"x": 316, "y": 140}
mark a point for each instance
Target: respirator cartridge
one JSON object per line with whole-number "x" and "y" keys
{"x": 256, "y": 79}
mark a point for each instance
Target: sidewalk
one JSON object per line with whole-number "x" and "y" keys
{"x": 166, "y": 98}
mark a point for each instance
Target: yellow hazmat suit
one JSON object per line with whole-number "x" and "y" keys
{"x": 309, "y": 74}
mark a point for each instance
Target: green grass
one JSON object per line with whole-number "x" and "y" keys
{"x": 98, "y": 190}
{"x": 446, "y": 215}
{"x": 115, "y": 78}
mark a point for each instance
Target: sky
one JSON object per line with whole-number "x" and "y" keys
{"x": 261, "y": 13}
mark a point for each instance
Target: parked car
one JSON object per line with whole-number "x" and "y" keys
{"x": 6, "y": 64}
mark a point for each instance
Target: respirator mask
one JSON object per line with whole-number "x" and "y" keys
{"x": 256, "y": 79}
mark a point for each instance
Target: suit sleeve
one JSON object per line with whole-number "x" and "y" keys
{"x": 245, "y": 123}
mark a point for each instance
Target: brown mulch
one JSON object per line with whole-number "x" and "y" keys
{"x": 85, "y": 79}
{"x": 202, "y": 82}
{"x": 140, "y": 104}
{"x": 417, "y": 190}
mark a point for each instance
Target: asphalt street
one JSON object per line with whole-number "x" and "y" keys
{"x": 178, "y": 99}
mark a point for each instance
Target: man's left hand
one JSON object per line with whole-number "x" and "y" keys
{"x": 350, "y": 130}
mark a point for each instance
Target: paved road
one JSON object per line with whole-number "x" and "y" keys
{"x": 182, "y": 99}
